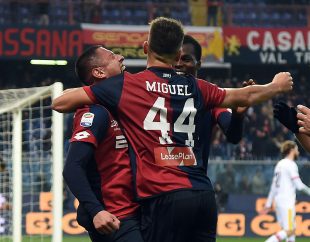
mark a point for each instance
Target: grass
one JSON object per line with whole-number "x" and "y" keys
{"x": 86, "y": 239}
{"x": 48, "y": 239}
{"x": 259, "y": 239}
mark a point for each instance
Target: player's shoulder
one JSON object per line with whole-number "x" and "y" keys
{"x": 112, "y": 81}
{"x": 205, "y": 83}
{"x": 139, "y": 73}
{"x": 288, "y": 163}
{"x": 92, "y": 114}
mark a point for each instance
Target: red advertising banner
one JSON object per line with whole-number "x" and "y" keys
{"x": 40, "y": 42}
{"x": 128, "y": 40}
{"x": 267, "y": 45}
{"x": 48, "y": 42}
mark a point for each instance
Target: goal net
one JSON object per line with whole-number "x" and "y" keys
{"x": 31, "y": 158}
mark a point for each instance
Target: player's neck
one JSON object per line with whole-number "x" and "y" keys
{"x": 152, "y": 61}
{"x": 290, "y": 157}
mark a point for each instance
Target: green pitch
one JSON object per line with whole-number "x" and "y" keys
{"x": 86, "y": 239}
{"x": 261, "y": 239}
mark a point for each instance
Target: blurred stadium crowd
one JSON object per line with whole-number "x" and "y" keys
{"x": 263, "y": 13}
{"x": 262, "y": 134}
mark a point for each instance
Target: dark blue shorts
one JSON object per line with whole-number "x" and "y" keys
{"x": 129, "y": 232}
{"x": 180, "y": 216}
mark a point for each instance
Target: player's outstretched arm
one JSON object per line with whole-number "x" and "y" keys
{"x": 71, "y": 100}
{"x": 255, "y": 94}
{"x": 303, "y": 119}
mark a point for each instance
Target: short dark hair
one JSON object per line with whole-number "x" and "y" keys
{"x": 166, "y": 37}
{"x": 287, "y": 146}
{"x": 86, "y": 62}
{"x": 197, "y": 47}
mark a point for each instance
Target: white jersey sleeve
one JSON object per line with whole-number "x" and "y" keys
{"x": 271, "y": 193}
{"x": 300, "y": 186}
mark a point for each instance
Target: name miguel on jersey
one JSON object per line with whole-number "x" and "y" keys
{"x": 181, "y": 90}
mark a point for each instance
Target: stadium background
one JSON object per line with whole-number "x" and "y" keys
{"x": 241, "y": 39}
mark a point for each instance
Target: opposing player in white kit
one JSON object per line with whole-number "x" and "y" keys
{"x": 283, "y": 192}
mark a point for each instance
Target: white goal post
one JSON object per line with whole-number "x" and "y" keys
{"x": 31, "y": 152}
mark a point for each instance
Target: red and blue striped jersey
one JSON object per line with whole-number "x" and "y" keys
{"x": 95, "y": 125}
{"x": 162, "y": 114}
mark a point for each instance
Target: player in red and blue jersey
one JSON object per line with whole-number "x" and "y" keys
{"x": 97, "y": 168}
{"x": 229, "y": 120}
{"x": 162, "y": 114}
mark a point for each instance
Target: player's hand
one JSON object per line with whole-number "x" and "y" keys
{"x": 283, "y": 82}
{"x": 241, "y": 110}
{"x": 106, "y": 222}
{"x": 303, "y": 117}
{"x": 264, "y": 211}
{"x": 250, "y": 82}
{"x": 286, "y": 115}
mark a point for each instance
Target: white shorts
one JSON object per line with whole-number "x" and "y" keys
{"x": 286, "y": 217}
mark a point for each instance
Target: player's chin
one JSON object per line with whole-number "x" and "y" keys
{"x": 123, "y": 68}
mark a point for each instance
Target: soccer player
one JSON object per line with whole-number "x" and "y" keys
{"x": 283, "y": 192}
{"x": 288, "y": 116}
{"x": 97, "y": 168}
{"x": 230, "y": 121}
{"x": 162, "y": 114}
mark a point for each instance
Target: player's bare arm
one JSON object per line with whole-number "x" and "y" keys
{"x": 303, "y": 117}
{"x": 240, "y": 111}
{"x": 68, "y": 90}
{"x": 255, "y": 94}
{"x": 71, "y": 100}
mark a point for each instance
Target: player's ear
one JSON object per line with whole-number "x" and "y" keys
{"x": 98, "y": 73}
{"x": 198, "y": 65}
{"x": 145, "y": 47}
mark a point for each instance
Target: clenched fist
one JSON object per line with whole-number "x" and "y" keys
{"x": 105, "y": 222}
{"x": 283, "y": 82}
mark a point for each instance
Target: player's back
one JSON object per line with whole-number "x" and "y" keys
{"x": 162, "y": 113}
{"x": 285, "y": 172}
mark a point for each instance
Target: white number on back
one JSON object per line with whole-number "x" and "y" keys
{"x": 164, "y": 126}
{"x": 189, "y": 128}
